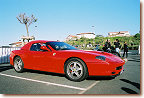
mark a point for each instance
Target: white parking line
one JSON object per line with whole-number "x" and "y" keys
{"x": 44, "y": 82}
{"x": 88, "y": 87}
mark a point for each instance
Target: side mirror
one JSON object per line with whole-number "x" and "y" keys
{"x": 44, "y": 48}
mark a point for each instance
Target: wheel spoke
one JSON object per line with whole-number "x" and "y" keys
{"x": 16, "y": 66}
{"x": 20, "y": 61}
{"x": 72, "y": 74}
{"x": 17, "y": 62}
{"x": 77, "y": 74}
{"x": 19, "y": 66}
{"x": 79, "y": 69}
{"x": 75, "y": 63}
{"x": 70, "y": 68}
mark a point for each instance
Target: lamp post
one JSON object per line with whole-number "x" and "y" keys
{"x": 94, "y": 33}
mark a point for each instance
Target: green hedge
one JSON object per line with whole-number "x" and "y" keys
{"x": 132, "y": 41}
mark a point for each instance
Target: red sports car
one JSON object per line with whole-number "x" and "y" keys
{"x": 60, "y": 57}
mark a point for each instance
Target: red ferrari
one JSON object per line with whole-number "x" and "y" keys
{"x": 60, "y": 57}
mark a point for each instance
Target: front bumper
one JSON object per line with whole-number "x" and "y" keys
{"x": 118, "y": 73}
{"x": 105, "y": 69}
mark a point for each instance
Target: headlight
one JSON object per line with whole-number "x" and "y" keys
{"x": 101, "y": 58}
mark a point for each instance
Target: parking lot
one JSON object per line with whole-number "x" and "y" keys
{"x": 38, "y": 82}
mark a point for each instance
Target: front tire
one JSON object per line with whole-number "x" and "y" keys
{"x": 18, "y": 65}
{"x": 76, "y": 70}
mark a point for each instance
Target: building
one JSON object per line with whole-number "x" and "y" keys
{"x": 124, "y": 33}
{"x": 121, "y": 33}
{"x": 24, "y": 40}
{"x": 71, "y": 37}
{"x": 28, "y": 38}
{"x": 86, "y": 35}
{"x": 17, "y": 44}
{"x": 80, "y": 35}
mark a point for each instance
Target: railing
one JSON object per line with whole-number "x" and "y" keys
{"x": 5, "y": 53}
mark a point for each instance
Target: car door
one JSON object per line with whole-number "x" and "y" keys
{"x": 40, "y": 59}
{"x": 35, "y": 56}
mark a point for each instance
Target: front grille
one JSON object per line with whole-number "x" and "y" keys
{"x": 118, "y": 68}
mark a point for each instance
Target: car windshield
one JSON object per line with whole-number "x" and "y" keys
{"x": 61, "y": 46}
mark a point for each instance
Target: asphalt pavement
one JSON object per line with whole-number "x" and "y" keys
{"x": 38, "y": 82}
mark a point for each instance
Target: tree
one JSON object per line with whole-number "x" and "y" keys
{"x": 23, "y": 19}
{"x": 137, "y": 36}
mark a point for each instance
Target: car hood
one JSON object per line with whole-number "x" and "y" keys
{"x": 109, "y": 57}
{"x": 97, "y": 53}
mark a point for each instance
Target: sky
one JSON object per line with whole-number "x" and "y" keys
{"x": 59, "y": 18}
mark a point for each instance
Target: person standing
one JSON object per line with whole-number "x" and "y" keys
{"x": 125, "y": 50}
{"x": 117, "y": 46}
{"x": 108, "y": 45}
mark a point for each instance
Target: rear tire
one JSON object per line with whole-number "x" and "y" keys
{"x": 18, "y": 65}
{"x": 76, "y": 70}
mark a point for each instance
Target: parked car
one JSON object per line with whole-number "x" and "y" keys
{"x": 60, "y": 57}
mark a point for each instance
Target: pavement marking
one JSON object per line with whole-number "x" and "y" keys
{"x": 89, "y": 87}
{"x": 44, "y": 82}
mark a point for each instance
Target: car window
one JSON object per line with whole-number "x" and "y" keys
{"x": 61, "y": 46}
{"x": 36, "y": 46}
